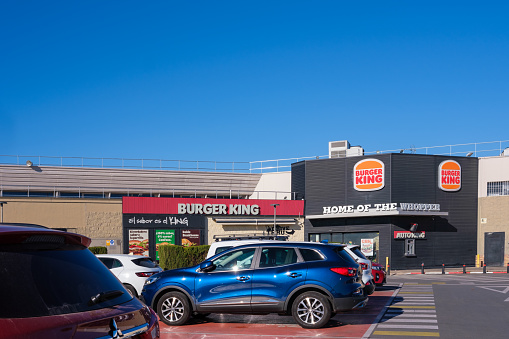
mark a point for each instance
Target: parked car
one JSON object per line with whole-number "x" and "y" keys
{"x": 367, "y": 276}
{"x": 311, "y": 281}
{"x": 54, "y": 287}
{"x": 131, "y": 270}
{"x": 379, "y": 275}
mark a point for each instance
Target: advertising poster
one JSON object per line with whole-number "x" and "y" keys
{"x": 190, "y": 237}
{"x": 367, "y": 247}
{"x": 164, "y": 237}
{"x": 138, "y": 242}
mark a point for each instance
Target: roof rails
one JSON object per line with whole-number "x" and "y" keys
{"x": 249, "y": 236}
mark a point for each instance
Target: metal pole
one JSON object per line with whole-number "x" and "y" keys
{"x": 2, "y": 208}
{"x": 275, "y": 206}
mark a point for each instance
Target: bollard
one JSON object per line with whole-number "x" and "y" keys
{"x": 388, "y": 269}
{"x": 508, "y": 267}
{"x": 443, "y": 268}
{"x": 484, "y": 268}
{"x": 422, "y": 268}
{"x": 464, "y": 269}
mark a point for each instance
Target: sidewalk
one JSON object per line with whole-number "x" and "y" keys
{"x": 453, "y": 270}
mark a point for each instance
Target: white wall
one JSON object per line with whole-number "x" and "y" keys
{"x": 492, "y": 169}
{"x": 274, "y": 186}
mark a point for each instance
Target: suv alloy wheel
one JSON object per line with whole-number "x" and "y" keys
{"x": 173, "y": 309}
{"x": 311, "y": 310}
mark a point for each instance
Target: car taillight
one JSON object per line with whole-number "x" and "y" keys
{"x": 145, "y": 274}
{"x": 346, "y": 271}
{"x": 364, "y": 266}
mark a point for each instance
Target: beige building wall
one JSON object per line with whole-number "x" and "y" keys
{"x": 493, "y": 211}
{"x": 493, "y": 217}
{"x": 98, "y": 219}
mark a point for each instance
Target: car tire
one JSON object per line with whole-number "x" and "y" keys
{"x": 173, "y": 309}
{"x": 311, "y": 310}
{"x": 131, "y": 290}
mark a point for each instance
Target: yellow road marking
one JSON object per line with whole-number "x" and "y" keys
{"x": 408, "y": 333}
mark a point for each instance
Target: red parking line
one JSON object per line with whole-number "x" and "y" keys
{"x": 351, "y": 324}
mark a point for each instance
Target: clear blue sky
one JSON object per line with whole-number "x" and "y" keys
{"x": 249, "y": 80}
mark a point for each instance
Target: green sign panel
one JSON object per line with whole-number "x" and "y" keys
{"x": 164, "y": 237}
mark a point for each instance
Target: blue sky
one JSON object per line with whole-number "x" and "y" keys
{"x": 249, "y": 80}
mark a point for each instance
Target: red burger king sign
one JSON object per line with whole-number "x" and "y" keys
{"x": 449, "y": 176}
{"x": 368, "y": 175}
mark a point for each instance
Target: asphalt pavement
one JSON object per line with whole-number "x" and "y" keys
{"x": 453, "y": 270}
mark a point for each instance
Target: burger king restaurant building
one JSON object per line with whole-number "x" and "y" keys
{"x": 404, "y": 209}
{"x": 149, "y": 222}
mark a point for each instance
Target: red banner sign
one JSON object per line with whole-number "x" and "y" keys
{"x": 409, "y": 235}
{"x": 201, "y": 206}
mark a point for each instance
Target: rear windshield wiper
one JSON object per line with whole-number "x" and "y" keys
{"x": 103, "y": 296}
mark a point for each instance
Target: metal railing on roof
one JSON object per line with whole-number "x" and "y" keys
{"x": 60, "y": 191}
{"x": 480, "y": 149}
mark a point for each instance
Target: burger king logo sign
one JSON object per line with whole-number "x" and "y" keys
{"x": 449, "y": 176}
{"x": 368, "y": 175}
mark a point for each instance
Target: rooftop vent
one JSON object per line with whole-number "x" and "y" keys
{"x": 342, "y": 149}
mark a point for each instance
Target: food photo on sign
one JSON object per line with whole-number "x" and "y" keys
{"x": 138, "y": 242}
{"x": 367, "y": 247}
{"x": 190, "y": 237}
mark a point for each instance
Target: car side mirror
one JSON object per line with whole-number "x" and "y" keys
{"x": 207, "y": 266}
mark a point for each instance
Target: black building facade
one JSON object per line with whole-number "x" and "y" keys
{"x": 404, "y": 209}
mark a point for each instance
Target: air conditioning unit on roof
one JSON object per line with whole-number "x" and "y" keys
{"x": 337, "y": 149}
{"x": 342, "y": 149}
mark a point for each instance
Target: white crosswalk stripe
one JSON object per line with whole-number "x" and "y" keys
{"x": 411, "y": 314}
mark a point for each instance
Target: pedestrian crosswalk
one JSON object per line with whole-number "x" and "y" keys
{"x": 411, "y": 314}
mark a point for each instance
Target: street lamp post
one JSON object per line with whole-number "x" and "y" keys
{"x": 2, "y": 208}
{"x": 275, "y": 206}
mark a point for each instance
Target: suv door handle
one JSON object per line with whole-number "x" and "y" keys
{"x": 242, "y": 278}
{"x": 295, "y": 275}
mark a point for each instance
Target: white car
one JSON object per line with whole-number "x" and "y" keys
{"x": 367, "y": 276}
{"x": 131, "y": 270}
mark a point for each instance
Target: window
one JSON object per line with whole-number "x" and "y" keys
{"x": 145, "y": 262}
{"x": 409, "y": 247}
{"x": 53, "y": 281}
{"x": 277, "y": 256}
{"x": 111, "y": 263}
{"x": 235, "y": 260}
{"x": 498, "y": 188}
{"x": 310, "y": 255}
{"x": 222, "y": 249}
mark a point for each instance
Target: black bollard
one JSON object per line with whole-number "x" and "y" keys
{"x": 422, "y": 268}
{"x": 508, "y": 267}
{"x": 464, "y": 269}
{"x": 443, "y": 268}
{"x": 484, "y": 268}
{"x": 388, "y": 269}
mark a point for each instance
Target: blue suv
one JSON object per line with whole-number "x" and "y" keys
{"x": 311, "y": 281}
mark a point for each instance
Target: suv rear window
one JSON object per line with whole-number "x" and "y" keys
{"x": 53, "y": 280}
{"x": 145, "y": 262}
{"x": 344, "y": 255}
{"x": 310, "y": 255}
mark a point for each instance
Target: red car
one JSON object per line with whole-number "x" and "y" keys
{"x": 52, "y": 286}
{"x": 378, "y": 272}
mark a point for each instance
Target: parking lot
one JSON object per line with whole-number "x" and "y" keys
{"x": 408, "y": 306}
{"x": 354, "y": 324}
